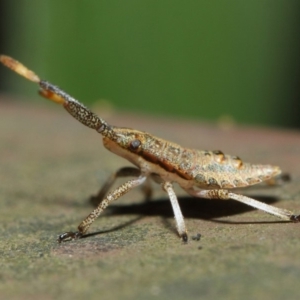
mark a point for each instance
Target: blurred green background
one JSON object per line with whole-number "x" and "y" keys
{"x": 207, "y": 60}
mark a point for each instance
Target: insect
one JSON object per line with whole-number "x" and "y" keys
{"x": 204, "y": 174}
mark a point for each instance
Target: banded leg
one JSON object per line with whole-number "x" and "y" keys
{"x": 167, "y": 186}
{"x": 226, "y": 195}
{"x": 114, "y": 195}
{"x": 55, "y": 94}
{"x": 123, "y": 172}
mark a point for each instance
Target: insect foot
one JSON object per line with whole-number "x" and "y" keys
{"x": 295, "y": 218}
{"x": 185, "y": 237}
{"x": 69, "y": 236}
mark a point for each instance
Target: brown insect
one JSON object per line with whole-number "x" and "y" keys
{"x": 205, "y": 174}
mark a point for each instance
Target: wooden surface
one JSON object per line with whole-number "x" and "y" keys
{"x": 49, "y": 167}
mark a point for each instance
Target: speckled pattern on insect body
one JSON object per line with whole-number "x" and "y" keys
{"x": 204, "y": 174}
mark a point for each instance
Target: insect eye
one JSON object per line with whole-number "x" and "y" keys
{"x": 134, "y": 145}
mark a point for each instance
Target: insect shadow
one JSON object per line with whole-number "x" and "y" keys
{"x": 194, "y": 208}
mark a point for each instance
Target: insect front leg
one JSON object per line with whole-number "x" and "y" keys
{"x": 168, "y": 187}
{"x": 226, "y": 195}
{"x": 114, "y": 195}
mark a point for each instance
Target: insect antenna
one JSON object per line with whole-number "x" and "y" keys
{"x": 55, "y": 94}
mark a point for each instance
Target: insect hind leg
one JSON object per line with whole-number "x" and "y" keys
{"x": 226, "y": 195}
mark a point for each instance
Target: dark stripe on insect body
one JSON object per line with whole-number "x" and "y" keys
{"x": 156, "y": 152}
{"x": 167, "y": 166}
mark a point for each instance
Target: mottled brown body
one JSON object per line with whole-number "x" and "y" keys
{"x": 204, "y": 169}
{"x": 204, "y": 174}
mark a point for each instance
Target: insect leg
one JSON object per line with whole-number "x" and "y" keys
{"x": 226, "y": 195}
{"x": 123, "y": 172}
{"x": 114, "y": 195}
{"x": 279, "y": 212}
{"x": 167, "y": 186}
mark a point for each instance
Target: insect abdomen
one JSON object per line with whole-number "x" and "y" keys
{"x": 217, "y": 170}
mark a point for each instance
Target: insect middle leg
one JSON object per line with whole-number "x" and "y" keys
{"x": 226, "y": 195}
{"x": 114, "y": 195}
{"x": 167, "y": 186}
